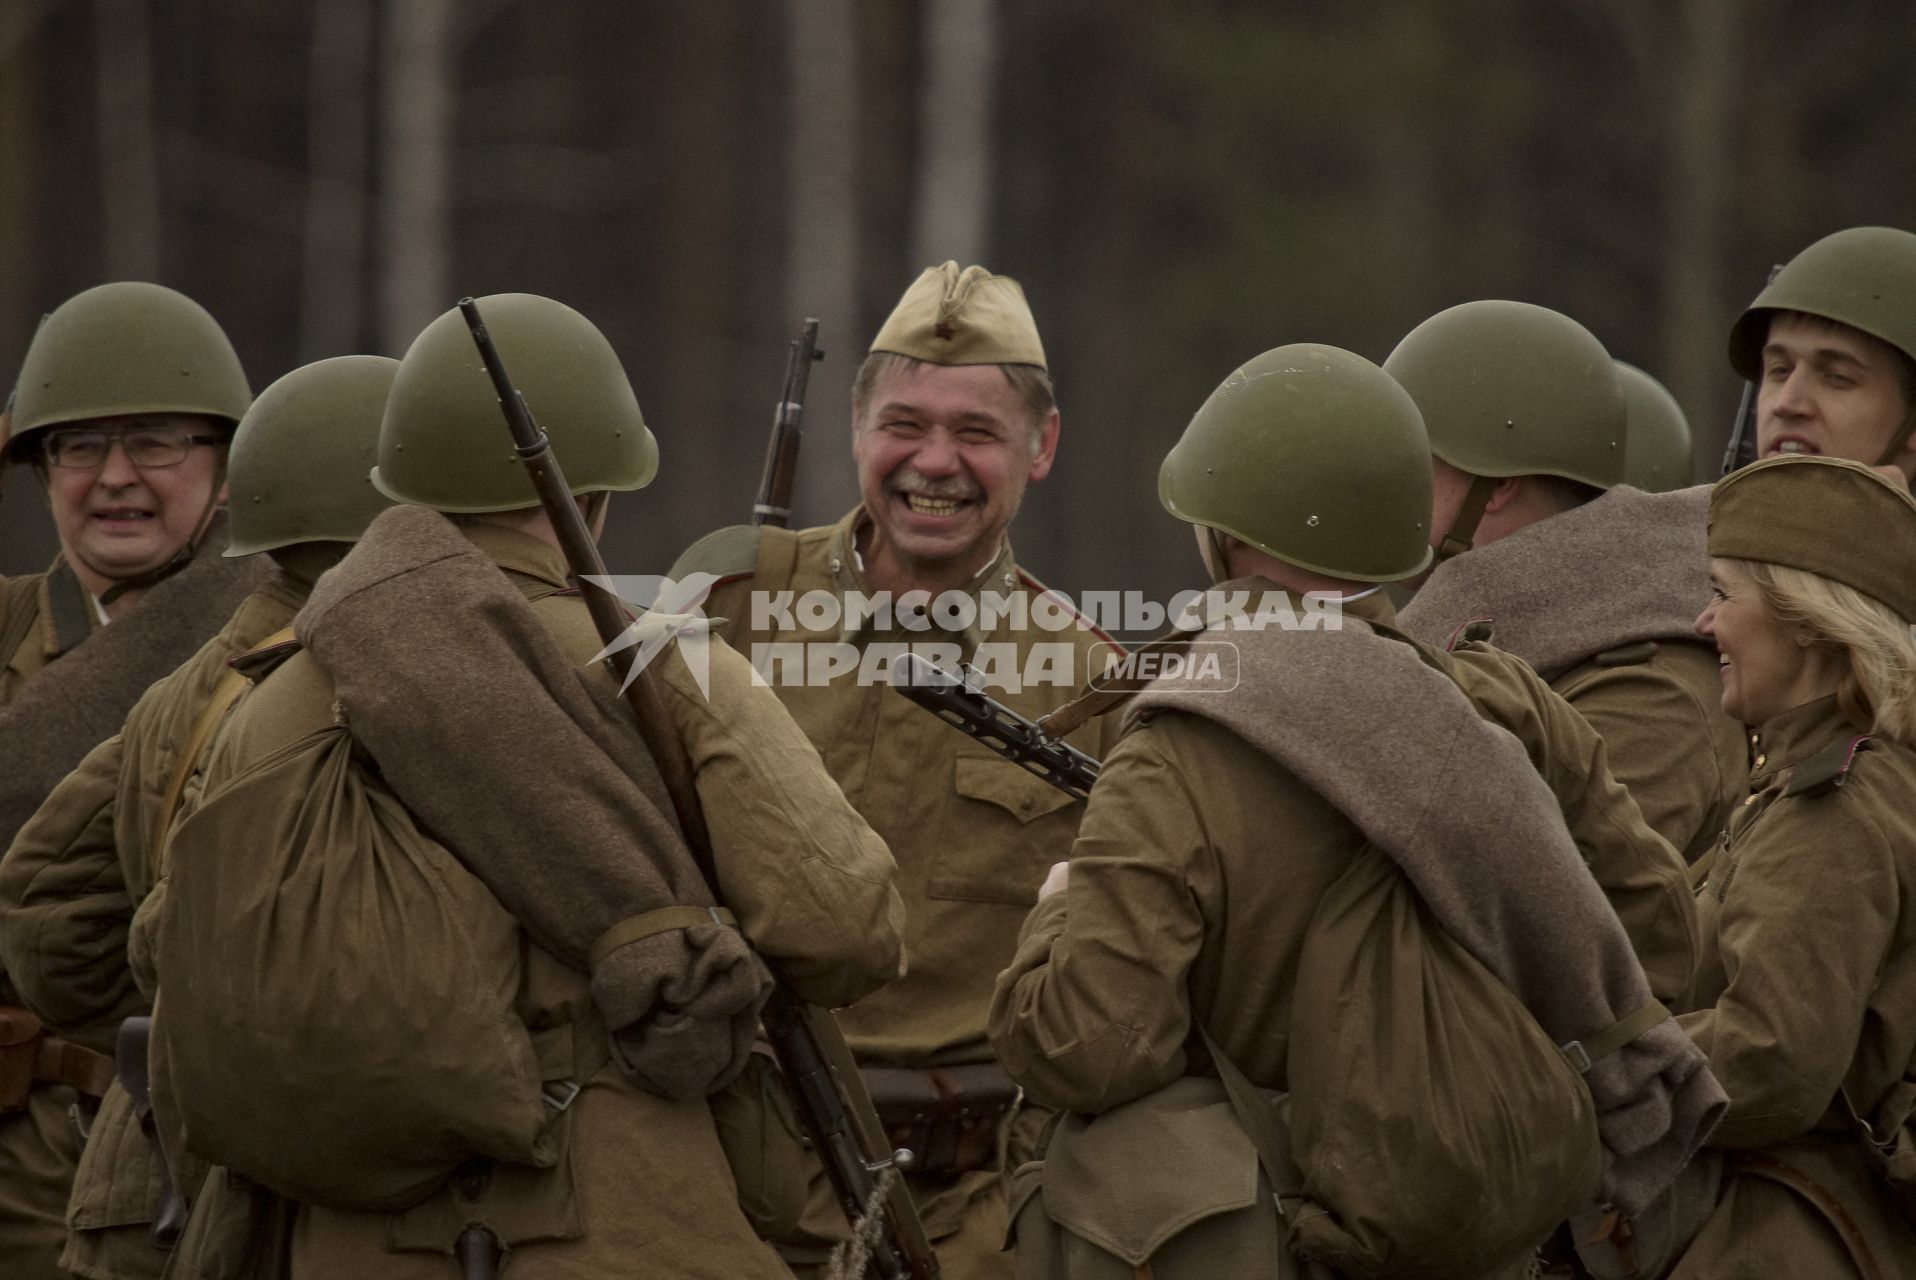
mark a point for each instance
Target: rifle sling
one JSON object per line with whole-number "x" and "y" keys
{"x": 225, "y": 694}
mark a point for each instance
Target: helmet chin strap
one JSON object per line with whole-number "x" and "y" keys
{"x": 1899, "y": 439}
{"x": 595, "y": 505}
{"x": 1463, "y": 529}
{"x": 1212, "y": 552}
{"x": 179, "y": 559}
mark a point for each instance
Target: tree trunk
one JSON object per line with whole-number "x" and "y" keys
{"x": 1701, "y": 167}
{"x": 415, "y": 139}
{"x": 129, "y": 174}
{"x": 821, "y": 254}
{"x": 956, "y": 165}
{"x": 332, "y": 284}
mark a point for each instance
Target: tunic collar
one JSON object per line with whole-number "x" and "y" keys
{"x": 517, "y": 552}
{"x": 846, "y": 565}
{"x": 1788, "y": 739}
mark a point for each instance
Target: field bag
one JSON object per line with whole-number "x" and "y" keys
{"x": 1181, "y": 1184}
{"x": 1438, "y": 1129}
{"x": 339, "y": 992}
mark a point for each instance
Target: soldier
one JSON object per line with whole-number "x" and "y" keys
{"x": 124, "y": 404}
{"x": 1809, "y": 936}
{"x": 145, "y": 369}
{"x": 1227, "y": 812}
{"x": 1831, "y": 346}
{"x": 1656, "y": 454}
{"x": 633, "y": 1018}
{"x": 80, "y": 869}
{"x": 953, "y": 415}
{"x": 1589, "y": 581}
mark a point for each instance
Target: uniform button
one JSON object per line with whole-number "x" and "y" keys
{"x": 1749, "y": 801}
{"x": 1761, "y": 761}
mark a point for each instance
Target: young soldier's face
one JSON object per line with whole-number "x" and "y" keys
{"x": 118, "y": 518}
{"x": 1827, "y": 389}
{"x": 944, "y": 453}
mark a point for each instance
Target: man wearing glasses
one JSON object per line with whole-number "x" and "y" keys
{"x": 125, "y": 402}
{"x": 124, "y": 405}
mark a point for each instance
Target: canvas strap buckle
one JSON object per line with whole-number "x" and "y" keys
{"x": 558, "y": 1095}
{"x": 1583, "y": 1054}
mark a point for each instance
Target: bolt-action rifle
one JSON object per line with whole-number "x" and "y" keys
{"x": 774, "y": 503}
{"x": 828, "y": 1094}
{"x": 1741, "y": 450}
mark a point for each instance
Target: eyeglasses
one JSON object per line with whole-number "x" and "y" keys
{"x": 150, "y": 447}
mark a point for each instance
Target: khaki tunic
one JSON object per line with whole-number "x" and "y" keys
{"x": 1199, "y": 865}
{"x": 1807, "y": 995}
{"x": 38, "y": 1146}
{"x": 1659, "y": 709}
{"x": 69, "y": 887}
{"x": 973, "y": 835}
{"x": 642, "y": 1186}
{"x": 57, "y": 614}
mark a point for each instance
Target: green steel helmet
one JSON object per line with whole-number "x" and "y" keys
{"x": 1864, "y": 277}
{"x": 1511, "y": 389}
{"x": 125, "y": 348}
{"x": 1657, "y": 459}
{"x": 444, "y": 443}
{"x": 299, "y": 469}
{"x": 1312, "y": 455}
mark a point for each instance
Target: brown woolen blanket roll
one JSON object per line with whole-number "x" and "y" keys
{"x": 529, "y": 768}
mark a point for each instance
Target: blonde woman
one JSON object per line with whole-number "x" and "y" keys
{"x": 1805, "y": 996}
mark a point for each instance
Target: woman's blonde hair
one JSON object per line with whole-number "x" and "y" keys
{"x": 1878, "y": 691}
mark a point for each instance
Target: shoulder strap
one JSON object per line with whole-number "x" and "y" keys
{"x": 225, "y": 694}
{"x": 1828, "y": 769}
{"x": 777, "y": 566}
{"x": 1118, "y": 684}
{"x": 1260, "y": 1126}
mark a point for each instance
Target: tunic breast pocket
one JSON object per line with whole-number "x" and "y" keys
{"x": 1008, "y": 827}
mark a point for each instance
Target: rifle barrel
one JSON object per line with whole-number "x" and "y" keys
{"x": 773, "y": 505}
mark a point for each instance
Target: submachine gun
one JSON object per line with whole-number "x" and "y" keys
{"x": 961, "y": 702}
{"x": 829, "y": 1096}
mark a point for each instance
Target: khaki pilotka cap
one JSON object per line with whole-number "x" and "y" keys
{"x": 950, "y": 316}
{"x": 1827, "y": 516}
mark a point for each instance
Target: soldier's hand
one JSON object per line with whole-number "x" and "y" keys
{"x": 1054, "y": 880}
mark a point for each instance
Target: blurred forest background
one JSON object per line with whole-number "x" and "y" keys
{"x": 1177, "y": 186}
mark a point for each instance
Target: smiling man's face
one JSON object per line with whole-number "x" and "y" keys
{"x": 944, "y": 453}
{"x": 1829, "y": 389}
{"x": 118, "y": 520}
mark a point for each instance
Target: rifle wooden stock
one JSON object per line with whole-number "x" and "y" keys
{"x": 811, "y": 1050}
{"x": 774, "y": 503}
{"x": 1741, "y": 451}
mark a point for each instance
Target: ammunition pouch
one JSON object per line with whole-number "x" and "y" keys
{"x": 30, "y": 1057}
{"x": 948, "y": 1117}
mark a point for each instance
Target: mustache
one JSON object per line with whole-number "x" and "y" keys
{"x": 907, "y": 480}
